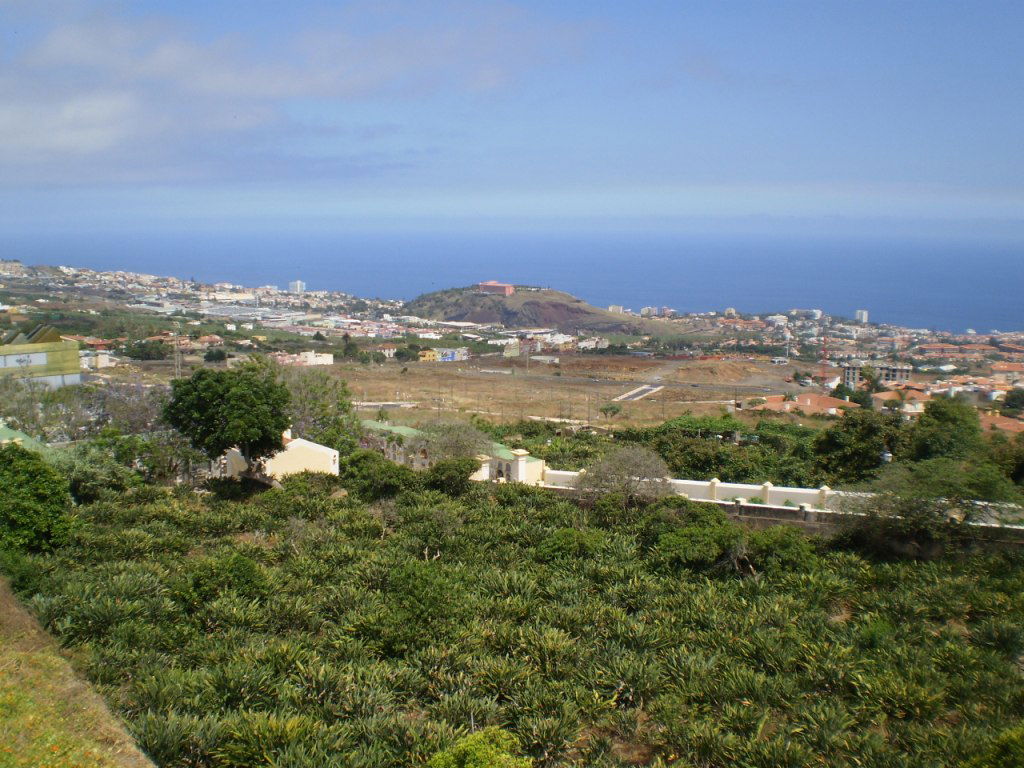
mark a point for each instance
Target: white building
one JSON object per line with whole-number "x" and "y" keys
{"x": 861, "y": 316}
{"x": 296, "y": 455}
{"x": 307, "y": 358}
{"x": 296, "y": 286}
{"x": 94, "y": 360}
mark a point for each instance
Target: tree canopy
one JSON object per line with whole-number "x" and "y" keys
{"x": 33, "y": 501}
{"x": 851, "y": 450}
{"x": 320, "y": 408}
{"x": 634, "y": 472}
{"x": 948, "y": 427}
{"x": 244, "y": 407}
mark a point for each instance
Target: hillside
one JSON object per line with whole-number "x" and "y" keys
{"x": 530, "y": 308}
{"x": 299, "y": 627}
{"x": 48, "y": 716}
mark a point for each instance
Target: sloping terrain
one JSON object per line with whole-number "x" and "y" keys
{"x": 529, "y": 308}
{"x": 48, "y": 716}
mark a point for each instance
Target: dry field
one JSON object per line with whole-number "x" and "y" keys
{"x": 574, "y": 390}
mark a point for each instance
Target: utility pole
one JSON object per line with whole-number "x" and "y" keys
{"x": 177, "y": 349}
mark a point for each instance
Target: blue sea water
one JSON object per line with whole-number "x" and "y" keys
{"x": 947, "y": 285}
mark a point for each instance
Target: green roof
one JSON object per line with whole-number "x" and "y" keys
{"x": 498, "y": 450}
{"x": 383, "y": 426}
{"x": 12, "y": 435}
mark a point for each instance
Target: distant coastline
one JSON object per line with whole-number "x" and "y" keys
{"x": 949, "y": 287}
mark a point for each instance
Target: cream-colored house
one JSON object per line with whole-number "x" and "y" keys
{"x": 296, "y": 455}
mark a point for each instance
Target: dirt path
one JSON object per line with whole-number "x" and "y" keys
{"x": 48, "y": 715}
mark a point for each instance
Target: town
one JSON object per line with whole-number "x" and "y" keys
{"x": 802, "y": 362}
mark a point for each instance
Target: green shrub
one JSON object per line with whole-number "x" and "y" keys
{"x": 232, "y": 572}
{"x": 570, "y": 543}
{"x": 310, "y": 484}
{"x": 781, "y": 547}
{"x": 490, "y": 748}
{"x": 93, "y": 471}
{"x": 876, "y": 633}
{"x": 33, "y": 501}
{"x": 891, "y": 525}
{"x": 372, "y": 477}
{"x": 704, "y": 540}
{"x": 1007, "y": 751}
{"x": 451, "y": 476}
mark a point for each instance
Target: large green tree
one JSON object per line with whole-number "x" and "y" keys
{"x": 320, "y": 408}
{"x": 244, "y": 408}
{"x": 949, "y": 427}
{"x": 33, "y": 501}
{"x": 852, "y": 449}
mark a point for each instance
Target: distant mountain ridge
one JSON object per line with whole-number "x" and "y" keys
{"x": 528, "y": 308}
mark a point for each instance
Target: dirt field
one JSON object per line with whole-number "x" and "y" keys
{"x": 576, "y": 389}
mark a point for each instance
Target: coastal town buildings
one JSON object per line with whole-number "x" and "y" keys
{"x": 887, "y": 373}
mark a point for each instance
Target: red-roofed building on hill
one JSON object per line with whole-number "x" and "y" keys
{"x": 493, "y": 286}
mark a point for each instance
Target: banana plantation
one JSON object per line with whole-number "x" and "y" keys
{"x": 305, "y": 626}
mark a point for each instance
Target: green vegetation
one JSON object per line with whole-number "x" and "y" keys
{"x": 320, "y": 408}
{"x": 33, "y": 501}
{"x": 1013, "y": 404}
{"x": 945, "y": 453}
{"x": 49, "y": 718}
{"x": 148, "y": 350}
{"x": 244, "y": 408}
{"x": 633, "y": 473}
{"x": 400, "y": 625}
{"x": 489, "y": 748}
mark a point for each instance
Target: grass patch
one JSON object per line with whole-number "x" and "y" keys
{"x": 49, "y": 718}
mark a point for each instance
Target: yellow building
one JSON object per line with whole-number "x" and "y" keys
{"x": 41, "y": 356}
{"x": 428, "y": 356}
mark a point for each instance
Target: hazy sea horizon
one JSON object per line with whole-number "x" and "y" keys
{"x": 948, "y": 285}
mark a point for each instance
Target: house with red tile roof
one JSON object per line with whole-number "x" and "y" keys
{"x": 909, "y": 402}
{"x": 808, "y": 403}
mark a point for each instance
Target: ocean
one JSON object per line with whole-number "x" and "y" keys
{"x": 944, "y": 285}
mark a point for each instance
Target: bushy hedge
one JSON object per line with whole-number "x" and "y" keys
{"x": 33, "y": 501}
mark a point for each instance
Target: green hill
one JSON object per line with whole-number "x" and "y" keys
{"x": 530, "y": 308}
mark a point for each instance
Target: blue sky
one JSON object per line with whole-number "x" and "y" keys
{"x": 805, "y": 115}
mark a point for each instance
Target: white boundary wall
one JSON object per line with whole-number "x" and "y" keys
{"x": 714, "y": 490}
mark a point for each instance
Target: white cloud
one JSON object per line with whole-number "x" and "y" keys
{"x": 99, "y": 96}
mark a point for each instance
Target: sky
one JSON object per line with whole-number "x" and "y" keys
{"x": 816, "y": 115}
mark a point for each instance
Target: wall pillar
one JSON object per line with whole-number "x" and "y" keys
{"x": 484, "y": 473}
{"x": 713, "y": 488}
{"x": 519, "y": 465}
{"x": 823, "y": 496}
{"x": 766, "y": 493}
